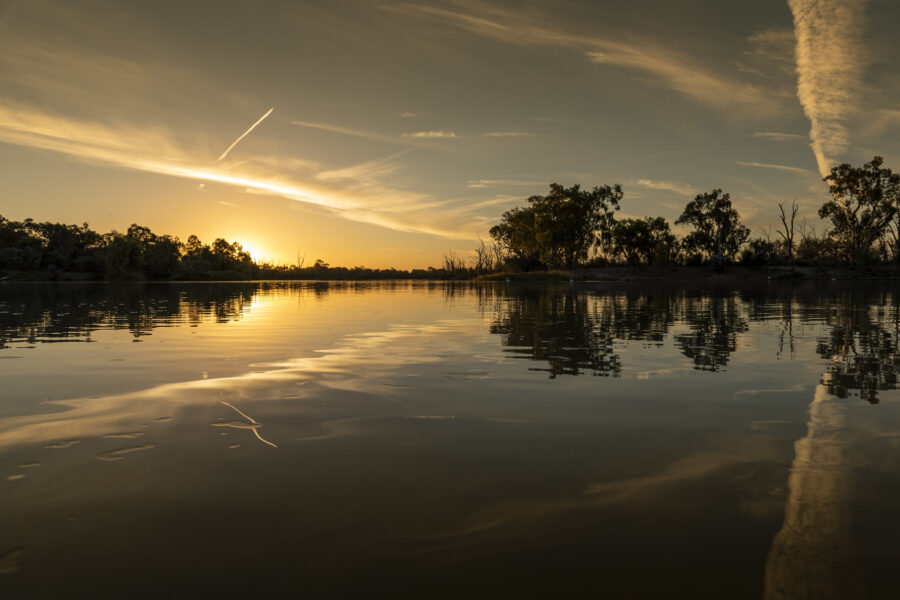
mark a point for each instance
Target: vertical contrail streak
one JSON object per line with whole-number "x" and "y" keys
{"x": 830, "y": 60}
{"x": 243, "y": 135}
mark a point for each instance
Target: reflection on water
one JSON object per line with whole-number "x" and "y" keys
{"x": 63, "y": 313}
{"x": 862, "y": 345}
{"x": 367, "y": 438}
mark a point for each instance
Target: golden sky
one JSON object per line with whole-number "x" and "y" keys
{"x": 386, "y": 134}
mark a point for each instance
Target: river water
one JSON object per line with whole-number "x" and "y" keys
{"x": 449, "y": 440}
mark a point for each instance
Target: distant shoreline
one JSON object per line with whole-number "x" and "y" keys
{"x": 672, "y": 274}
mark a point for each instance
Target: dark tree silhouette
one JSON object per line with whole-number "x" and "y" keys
{"x": 718, "y": 233}
{"x": 864, "y": 202}
{"x": 559, "y": 229}
{"x": 646, "y": 240}
{"x": 787, "y": 234}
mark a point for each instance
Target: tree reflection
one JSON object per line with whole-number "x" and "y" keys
{"x": 65, "y": 313}
{"x": 863, "y": 347}
{"x": 714, "y": 323}
{"x": 572, "y": 330}
{"x": 575, "y": 333}
{"x": 560, "y": 329}
{"x": 581, "y": 331}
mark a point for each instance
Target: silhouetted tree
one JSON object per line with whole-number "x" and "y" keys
{"x": 123, "y": 256}
{"x": 864, "y": 202}
{"x": 560, "y": 228}
{"x": 517, "y": 234}
{"x": 718, "y": 233}
{"x": 787, "y": 235}
{"x": 760, "y": 252}
{"x": 646, "y": 240}
{"x": 161, "y": 257}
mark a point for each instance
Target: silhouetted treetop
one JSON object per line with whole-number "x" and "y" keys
{"x": 718, "y": 233}
{"x": 864, "y": 202}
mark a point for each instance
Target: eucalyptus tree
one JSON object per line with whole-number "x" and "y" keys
{"x": 648, "y": 240}
{"x": 559, "y": 229}
{"x": 864, "y": 205}
{"x": 718, "y": 233}
{"x": 517, "y": 234}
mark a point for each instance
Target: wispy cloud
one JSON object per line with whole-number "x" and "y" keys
{"x": 499, "y": 200}
{"x": 480, "y": 184}
{"x": 155, "y": 151}
{"x": 243, "y": 135}
{"x": 680, "y": 75}
{"x": 830, "y": 61}
{"x": 770, "y": 54}
{"x": 409, "y": 137}
{"x": 506, "y": 134}
{"x": 368, "y": 135}
{"x": 777, "y": 136}
{"x": 365, "y": 171}
{"x": 409, "y": 115}
{"x": 431, "y": 134}
{"x": 663, "y": 65}
{"x": 771, "y": 166}
{"x": 667, "y": 186}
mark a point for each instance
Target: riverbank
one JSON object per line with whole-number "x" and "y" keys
{"x": 703, "y": 273}
{"x": 674, "y": 274}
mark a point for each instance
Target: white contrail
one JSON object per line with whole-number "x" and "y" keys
{"x": 243, "y": 135}
{"x": 829, "y": 64}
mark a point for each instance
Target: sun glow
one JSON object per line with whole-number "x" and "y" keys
{"x": 257, "y": 252}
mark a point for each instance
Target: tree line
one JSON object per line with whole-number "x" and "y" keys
{"x": 56, "y": 248}
{"x": 42, "y": 250}
{"x": 565, "y": 229}
{"x": 573, "y": 227}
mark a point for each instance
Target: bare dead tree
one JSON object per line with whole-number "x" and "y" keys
{"x": 482, "y": 257}
{"x": 788, "y": 224}
{"x": 300, "y": 260}
{"x": 453, "y": 264}
{"x": 498, "y": 256}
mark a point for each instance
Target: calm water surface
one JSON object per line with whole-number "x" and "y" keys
{"x": 427, "y": 440}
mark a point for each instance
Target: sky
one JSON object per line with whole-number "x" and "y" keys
{"x": 389, "y": 133}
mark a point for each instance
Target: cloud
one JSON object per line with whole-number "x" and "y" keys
{"x": 499, "y": 200}
{"x": 667, "y": 186}
{"x": 771, "y": 166}
{"x": 506, "y": 134}
{"x": 156, "y": 151}
{"x": 369, "y": 135}
{"x": 770, "y": 54}
{"x": 430, "y": 134}
{"x": 830, "y": 60}
{"x": 665, "y": 66}
{"x": 480, "y": 184}
{"x": 409, "y": 115}
{"x": 243, "y": 135}
{"x": 408, "y": 138}
{"x": 365, "y": 171}
{"x": 680, "y": 75}
{"x": 450, "y": 134}
{"x": 776, "y": 136}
